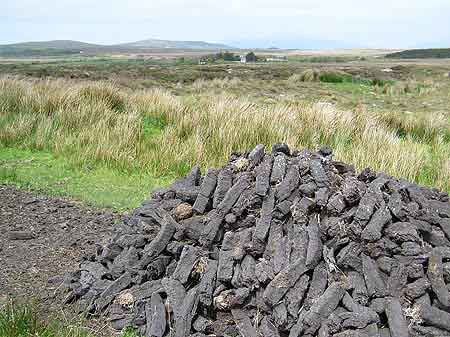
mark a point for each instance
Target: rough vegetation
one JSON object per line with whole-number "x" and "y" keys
{"x": 157, "y": 132}
{"x": 287, "y": 243}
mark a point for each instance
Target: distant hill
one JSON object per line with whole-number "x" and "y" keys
{"x": 154, "y": 43}
{"x": 46, "y": 48}
{"x": 69, "y": 47}
{"x": 421, "y": 54}
{"x": 56, "y": 44}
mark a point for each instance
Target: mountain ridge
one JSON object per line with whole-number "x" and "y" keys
{"x": 156, "y": 43}
{"x": 141, "y": 44}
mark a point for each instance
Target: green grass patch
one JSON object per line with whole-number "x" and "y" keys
{"x": 98, "y": 186}
{"x": 335, "y": 78}
{"x": 23, "y": 321}
{"x": 152, "y": 126}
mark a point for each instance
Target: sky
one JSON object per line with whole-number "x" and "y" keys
{"x": 241, "y": 23}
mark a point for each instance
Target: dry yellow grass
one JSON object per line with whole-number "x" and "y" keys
{"x": 158, "y": 132}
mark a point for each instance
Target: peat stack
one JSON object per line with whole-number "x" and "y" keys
{"x": 277, "y": 244}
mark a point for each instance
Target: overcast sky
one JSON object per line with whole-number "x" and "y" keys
{"x": 264, "y": 23}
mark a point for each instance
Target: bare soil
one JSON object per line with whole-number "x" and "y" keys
{"x": 41, "y": 239}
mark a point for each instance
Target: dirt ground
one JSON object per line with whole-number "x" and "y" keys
{"x": 42, "y": 238}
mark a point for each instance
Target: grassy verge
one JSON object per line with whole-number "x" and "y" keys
{"x": 98, "y": 186}
{"x": 24, "y": 321}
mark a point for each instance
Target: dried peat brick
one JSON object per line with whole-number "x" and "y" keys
{"x": 155, "y": 313}
{"x": 263, "y": 172}
{"x": 359, "y": 316}
{"x": 146, "y": 289}
{"x": 321, "y": 197}
{"x": 434, "y": 317}
{"x": 436, "y": 276}
{"x": 281, "y": 255}
{"x": 417, "y": 288}
{"x": 243, "y": 323}
{"x": 233, "y": 194}
{"x": 278, "y": 169}
{"x": 264, "y": 271}
{"x": 289, "y": 183}
{"x": 402, "y": 232}
{"x": 396, "y": 319}
{"x": 357, "y": 283}
{"x": 206, "y": 191}
{"x": 256, "y": 155}
{"x": 280, "y": 315}
{"x": 317, "y": 286}
{"x": 208, "y": 271}
{"x": 281, "y": 148}
{"x": 267, "y": 328}
{"x": 215, "y": 219}
{"x": 183, "y": 322}
{"x": 277, "y": 244}
{"x": 336, "y": 204}
{"x": 314, "y": 251}
{"x": 188, "y": 258}
{"x": 374, "y": 282}
{"x": 295, "y": 295}
{"x": 112, "y": 290}
{"x": 285, "y": 280}
{"x": 224, "y": 183}
{"x": 397, "y": 280}
{"x": 158, "y": 244}
{"x": 373, "y": 230}
{"x": 323, "y": 306}
{"x": 176, "y": 293}
{"x": 318, "y": 173}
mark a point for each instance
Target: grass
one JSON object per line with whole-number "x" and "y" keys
{"x": 98, "y": 126}
{"x": 24, "y": 321}
{"x": 54, "y": 175}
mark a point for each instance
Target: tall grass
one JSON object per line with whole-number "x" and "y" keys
{"x": 23, "y": 320}
{"x": 99, "y": 124}
{"x": 409, "y": 87}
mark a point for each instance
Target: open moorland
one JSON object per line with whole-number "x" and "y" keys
{"x": 132, "y": 120}
{"x": 103, "y": 131}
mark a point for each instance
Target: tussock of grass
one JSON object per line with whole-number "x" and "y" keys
{"x": 308, "y": 75}
{"x": 161, "y": 134}
{"x": 410, "y": 87}
{"x": 325, "y": 76}
{"x": 23, "y": 320}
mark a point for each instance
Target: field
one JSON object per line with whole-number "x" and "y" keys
{"x": 106, "y": 130}
{"x": 148, "y": 111}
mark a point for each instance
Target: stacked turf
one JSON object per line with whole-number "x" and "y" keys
{"x": 280, "y": 244}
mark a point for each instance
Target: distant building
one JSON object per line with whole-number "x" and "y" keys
{"x": 250, "y": 57}
{"x": 202, "y": 61}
